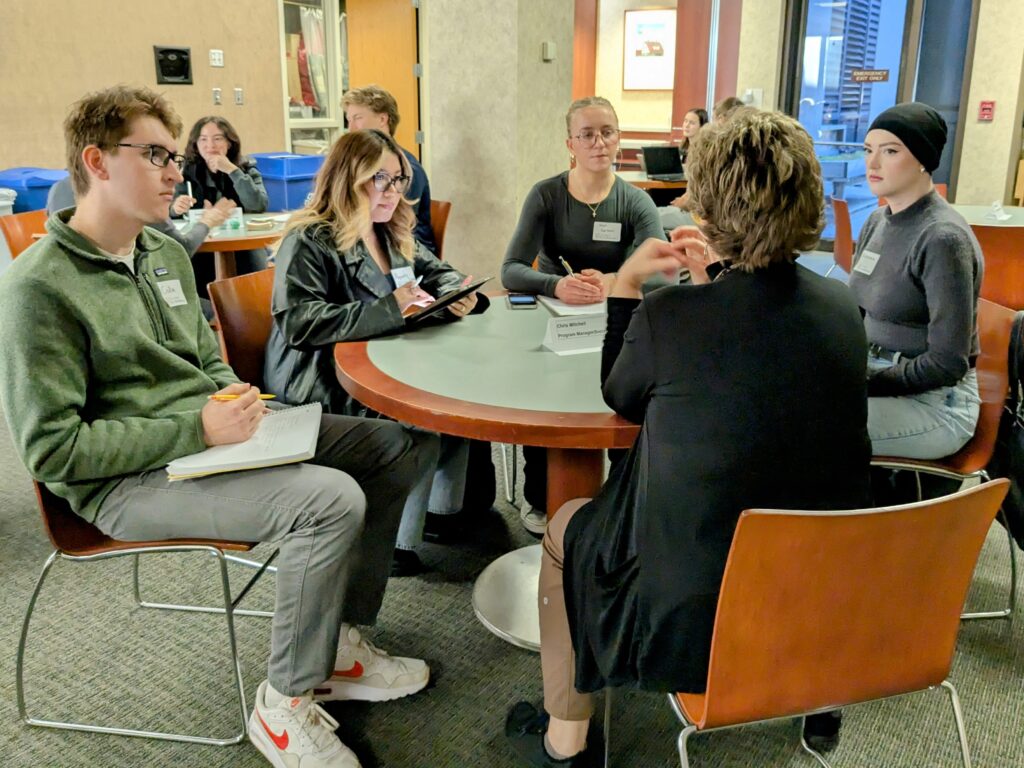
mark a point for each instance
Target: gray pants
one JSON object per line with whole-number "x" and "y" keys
{"x": 336, "y": 518}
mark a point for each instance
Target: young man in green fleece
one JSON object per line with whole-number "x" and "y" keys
{"x": 107, "y": 371}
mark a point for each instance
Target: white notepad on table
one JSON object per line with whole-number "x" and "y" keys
{"x": 562, "y": 309}
{"x": 284, "y": 436}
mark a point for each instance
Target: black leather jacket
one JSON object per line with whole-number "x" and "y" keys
{"x": 323, "y": 296}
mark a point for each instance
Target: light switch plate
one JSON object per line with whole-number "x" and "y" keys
{"x": 216, "y": 58}
{"x": 216, "y": 97}
{"x": 239, "y": 99}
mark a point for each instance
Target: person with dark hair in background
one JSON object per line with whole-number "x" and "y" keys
{"x": 215, "y": 169}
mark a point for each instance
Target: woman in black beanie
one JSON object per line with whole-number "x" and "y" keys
{"x": 916, "y": 276}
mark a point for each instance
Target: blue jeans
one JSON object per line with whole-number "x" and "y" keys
{"x": 928, "y": 425}
{"x": 439, "y": 491}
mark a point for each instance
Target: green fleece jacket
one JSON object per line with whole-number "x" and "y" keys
{"x": 101, "y": 376}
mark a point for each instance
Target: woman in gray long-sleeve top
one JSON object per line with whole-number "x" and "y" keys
{"x": 916, "y": 275}
{"x": 591, "y": 220}
{"x": 587, "y": 216}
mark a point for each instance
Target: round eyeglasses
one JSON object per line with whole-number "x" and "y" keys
{"x": 159, "y": 156}
{"x": 588, "y": 138}
{"x": 382, "y": 180}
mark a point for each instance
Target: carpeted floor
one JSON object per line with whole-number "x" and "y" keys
{"x": 91, "y": 655}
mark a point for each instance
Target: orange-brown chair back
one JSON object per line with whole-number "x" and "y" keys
{"x": 68, "y": 532}
{"x": 19, "y": 228}
{"x": 439, "y": 211}
{"x": 995, "y": 326}
{"x": 843, "y": 244}
{"x": 242, "y": 307}
{"x": 825, "y": 609}
{"x": 1003, "y": 248}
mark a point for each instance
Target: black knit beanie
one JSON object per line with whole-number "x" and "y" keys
{"x": 919, "y": 127}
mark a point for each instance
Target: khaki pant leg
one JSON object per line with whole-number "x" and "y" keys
{"x": 558, "y": 661}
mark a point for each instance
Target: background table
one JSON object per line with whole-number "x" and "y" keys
{"x": 487, "y": 377}
{"x": 1002, "y": 243}
{"x": 640, "y": 180}
{"x": 223, "y": 243}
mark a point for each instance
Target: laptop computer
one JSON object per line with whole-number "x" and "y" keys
{"x": 663, "y": 163}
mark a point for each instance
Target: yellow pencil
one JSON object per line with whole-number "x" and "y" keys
{"x": 225, "y": 398}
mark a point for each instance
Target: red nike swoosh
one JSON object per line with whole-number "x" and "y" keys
{"x": 356, "y": 671}
{"x": 281, "y": 742}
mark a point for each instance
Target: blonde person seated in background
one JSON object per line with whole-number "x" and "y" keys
{"x": 916, "y": 274}
{"x": 588, "y": 218}
{"x": 347, "y": 268}
{"x": 215, "y": 169}
{"x": 373, "y": 107}
{"x": 750, "y": 389}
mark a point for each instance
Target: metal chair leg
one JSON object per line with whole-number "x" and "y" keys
{"x": 607, "y": 725}
{"x": 229, "y": 611}
{"x": 160, "y": 735}
{"x": 809, "y": 749}
{"x": 262, "y": 567}
{"x": 508, "y": 466}
{"x": 250, "y": 563}
{"x": 1007, "y": 612}
{"x": 19, "y": 673}
{"x": 684, "y": 736}
{"x": 958, "y": 715}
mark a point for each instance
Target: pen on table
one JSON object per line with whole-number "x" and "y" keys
{"x": 225, "y": 398}
{"x": 566, "y": 267}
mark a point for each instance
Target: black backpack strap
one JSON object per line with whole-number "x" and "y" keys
{"x": 1015, "y": 364}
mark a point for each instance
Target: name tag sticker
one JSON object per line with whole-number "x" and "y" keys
{"x": 172, "y": 293}
{"x": 607, "y": 231}
{"x": 866, "y": 263}
{"x": 402, "y": 276}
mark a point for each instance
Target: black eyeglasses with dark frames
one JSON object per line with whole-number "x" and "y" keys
{"x": 382, "y": 180}
{"x": 159, "y": 156}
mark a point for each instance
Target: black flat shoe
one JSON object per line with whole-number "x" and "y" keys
{"x": 405, "y": 562}
{"x": 525, "y": 727}
{"x": 821, "y": 731}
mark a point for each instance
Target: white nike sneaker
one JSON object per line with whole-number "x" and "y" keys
{"x": 297, "y": 733}
{"x": 363, "y": 672}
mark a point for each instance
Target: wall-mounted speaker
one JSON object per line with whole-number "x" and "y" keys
{"x": 173, "y": 65}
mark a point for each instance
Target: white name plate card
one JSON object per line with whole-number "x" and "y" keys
{"x": 576, "y": 334}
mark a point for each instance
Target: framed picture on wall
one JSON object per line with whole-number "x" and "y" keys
{"x": 649, "y": 50}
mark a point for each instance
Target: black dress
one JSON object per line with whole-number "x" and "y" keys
{"x": 751, "y": 392}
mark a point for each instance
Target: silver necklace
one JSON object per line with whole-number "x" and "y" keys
{"x": 593, "y": 208}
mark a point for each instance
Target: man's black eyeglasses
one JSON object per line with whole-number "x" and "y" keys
{"x": 159, "y": 156}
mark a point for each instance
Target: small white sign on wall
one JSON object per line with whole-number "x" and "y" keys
{"x": 575, "y": 335}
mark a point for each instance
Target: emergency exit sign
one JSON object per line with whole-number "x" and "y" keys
{"x": 870, "y": 75}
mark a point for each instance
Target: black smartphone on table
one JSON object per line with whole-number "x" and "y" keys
{"x": 522, "y": 301}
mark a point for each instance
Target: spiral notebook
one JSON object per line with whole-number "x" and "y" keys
{"x": 284, "y": 436}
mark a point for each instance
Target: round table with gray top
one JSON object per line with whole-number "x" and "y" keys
{"x": 487, "y": 377}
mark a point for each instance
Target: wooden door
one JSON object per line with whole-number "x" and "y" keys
{"x": 383, "y": 50}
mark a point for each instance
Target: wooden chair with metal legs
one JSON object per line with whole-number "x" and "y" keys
{"x": 821, "y": 610}
{"x": 995, "y": 324}
{"x": 77, "y": 540}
